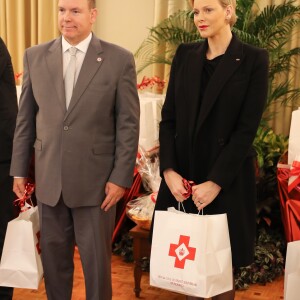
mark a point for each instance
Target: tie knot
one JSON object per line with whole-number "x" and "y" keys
{"x": 72, "y": 51}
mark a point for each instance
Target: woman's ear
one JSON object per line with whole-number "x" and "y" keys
{"x": 228, "y": 12}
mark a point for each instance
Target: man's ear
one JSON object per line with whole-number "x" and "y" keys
{"x": 94, "y": 14}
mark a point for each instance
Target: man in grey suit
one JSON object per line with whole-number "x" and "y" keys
{"x": 85, "y": 150}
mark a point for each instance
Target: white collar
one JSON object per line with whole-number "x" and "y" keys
{"x": 82, "y": 46}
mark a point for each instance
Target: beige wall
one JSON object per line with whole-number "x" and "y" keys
{"x": 125, "y": 23}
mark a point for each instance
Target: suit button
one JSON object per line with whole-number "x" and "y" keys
{"x": 66, "y": 128}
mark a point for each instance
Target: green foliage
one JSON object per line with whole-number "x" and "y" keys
{"x": 271, "y": 28}
{"x": 269, "y": 147}
{"x": 166, "y": 37}
{"x": 268, "y": 260}
{"x": 124, "y": 247}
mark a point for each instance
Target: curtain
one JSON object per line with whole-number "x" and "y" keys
{"x": 24, "y": 23}
{"x": 163, "y": 9}
{"x": 282, "y": 113}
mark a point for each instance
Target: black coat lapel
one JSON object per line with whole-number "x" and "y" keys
{"x": 232, "y": 59}
{"x": 193, "y": 80}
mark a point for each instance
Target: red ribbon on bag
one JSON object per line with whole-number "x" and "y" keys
{"x": 29, "y": 188}
{"x": 188, "y": 186}
{"x": 295, "y": 171}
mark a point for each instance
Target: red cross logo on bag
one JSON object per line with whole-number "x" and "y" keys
{"x": 182, "y": 251}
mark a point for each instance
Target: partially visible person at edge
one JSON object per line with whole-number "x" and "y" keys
{"x": 84, "y": 152}
{"x": 214, "y": 103}
{"x": 8, "y": 115}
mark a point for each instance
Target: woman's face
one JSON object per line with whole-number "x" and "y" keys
{"x": 211, "y": 18}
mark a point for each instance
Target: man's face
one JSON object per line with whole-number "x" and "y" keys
{"x": 75, "y": 19}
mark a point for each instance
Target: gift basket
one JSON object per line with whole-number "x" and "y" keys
{"x": 140, "y": 210}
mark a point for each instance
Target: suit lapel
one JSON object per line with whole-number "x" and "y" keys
{"x": 228, "y": 65}
{"x": 92, "y": 62}
{"x": 55, "y": 63}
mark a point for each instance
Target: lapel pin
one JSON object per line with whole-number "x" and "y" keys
{"x": 99, "y": 59}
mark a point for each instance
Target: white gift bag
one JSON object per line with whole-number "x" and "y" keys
{"x": 191, "y": 254}
{"x": 21, "y": 264}
{"x": 292, "y": 271}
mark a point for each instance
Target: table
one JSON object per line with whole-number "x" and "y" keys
{"x": 141, "y": 248}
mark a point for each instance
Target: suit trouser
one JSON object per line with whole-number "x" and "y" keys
{"x": 6, "y": 214}
{"x": 91, "y": 229}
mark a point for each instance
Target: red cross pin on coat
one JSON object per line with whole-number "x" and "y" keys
{"x": 182, "y": 251}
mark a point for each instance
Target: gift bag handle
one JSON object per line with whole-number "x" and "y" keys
{"x": 181, "y": 204}
{"x": 188, "y": 186}
{"x": 25, "y": 201}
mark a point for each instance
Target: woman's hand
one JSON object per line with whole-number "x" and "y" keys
{"x": 175, "y": 184}
{"x": 205, "y": 193}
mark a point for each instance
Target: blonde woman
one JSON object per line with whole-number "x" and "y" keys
{"x": 214, "y": 103}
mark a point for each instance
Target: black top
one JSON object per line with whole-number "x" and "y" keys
{"x": 208, "y": 69}
{"x": 8, "y": 104}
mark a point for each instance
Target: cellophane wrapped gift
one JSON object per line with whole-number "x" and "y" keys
{"x": 140, "y": 210}
{"x": 148, "y": 166}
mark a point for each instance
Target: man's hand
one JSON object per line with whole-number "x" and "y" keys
{"x": 19, "y": 186}
{"x": 113, "y": 194}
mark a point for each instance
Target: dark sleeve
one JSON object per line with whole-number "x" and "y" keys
{"x": 167, "y": 127}
{"x": 8, "y": 103}
{"x": 230, "y": 160}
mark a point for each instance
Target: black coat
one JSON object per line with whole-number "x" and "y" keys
{"x": 8, "y": 114}
{"x": 8, "y": 104}
{"x": 215, "y": 142}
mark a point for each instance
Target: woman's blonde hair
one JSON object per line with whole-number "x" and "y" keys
{"x": 225, "y": 3}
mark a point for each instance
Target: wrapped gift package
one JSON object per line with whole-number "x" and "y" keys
{"x": 140, "y": 210}
{"x": 288, "y": 176}
{"x": 150, "y": 117}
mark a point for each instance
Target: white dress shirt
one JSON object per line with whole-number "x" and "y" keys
{"x": 80, "y": 55}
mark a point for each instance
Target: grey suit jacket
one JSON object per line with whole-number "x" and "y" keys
{"x": 77, "y": 150}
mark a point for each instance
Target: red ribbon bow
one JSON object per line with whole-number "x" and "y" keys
{"x": 29, "y": 188}
{"x": 188, "y": 186}
{"x": 295, "y": 171}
